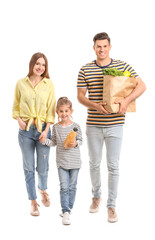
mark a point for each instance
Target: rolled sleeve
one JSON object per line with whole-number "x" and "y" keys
{"x": 51, "y": 105}
{"x": 16, "y": 103}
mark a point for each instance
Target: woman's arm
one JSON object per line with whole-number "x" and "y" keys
{"x": 22, "y": 124}
{"x": 43, "y": 135}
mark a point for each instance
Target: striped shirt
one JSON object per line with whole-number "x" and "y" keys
{"x": 91, "y": 77}
{"x": 65, "y": 158}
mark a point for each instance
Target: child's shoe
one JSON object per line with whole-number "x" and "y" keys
{"x": 61, "y": 214}
{"x": 66, "y": 219}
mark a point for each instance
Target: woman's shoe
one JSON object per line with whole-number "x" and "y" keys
{"x": 45, "y": 199}
{"x": 34, "y": 211}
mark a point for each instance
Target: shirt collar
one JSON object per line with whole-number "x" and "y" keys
{"x": 44, "y": 79}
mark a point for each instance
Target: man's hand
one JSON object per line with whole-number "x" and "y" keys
{"x": 123, "y": 105}
{"x": 100, "y": 108}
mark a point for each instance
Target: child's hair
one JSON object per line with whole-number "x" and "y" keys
{"x": 63, "y": 101}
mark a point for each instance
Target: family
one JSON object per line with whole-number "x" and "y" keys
{"x": 34, "y": 109}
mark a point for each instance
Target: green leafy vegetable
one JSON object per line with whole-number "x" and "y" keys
{"x": 112, "y": 71}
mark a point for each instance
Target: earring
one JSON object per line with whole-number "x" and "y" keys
{"x": 70, "y": 117}
{"x": 59, "y": 119}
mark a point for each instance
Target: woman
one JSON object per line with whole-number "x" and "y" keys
{"x": 34, "y": 109}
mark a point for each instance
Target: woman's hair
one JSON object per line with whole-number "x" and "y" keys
{"x": 63, "y": 101}
{"x": 101, "y": 36}
{"x": 33, "y": 61}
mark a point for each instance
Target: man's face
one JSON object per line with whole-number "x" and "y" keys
{"x": 102, "y": 48}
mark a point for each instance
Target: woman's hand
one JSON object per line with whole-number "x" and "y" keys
{"x": 43, "y": 136}
{"x": 22, "y": 124}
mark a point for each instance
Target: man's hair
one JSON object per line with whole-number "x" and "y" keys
{"x": 101, "y": 36}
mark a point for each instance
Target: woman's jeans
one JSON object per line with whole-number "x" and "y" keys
{"x": 68, "y": 182}
{"x": 112, "y": 136}
{"x": 29, "y": 142}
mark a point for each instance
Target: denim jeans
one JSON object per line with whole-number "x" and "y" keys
{"x": 68, "y": 182}
{"x": 113, "y": 139}
{"x": 29, "y": 142}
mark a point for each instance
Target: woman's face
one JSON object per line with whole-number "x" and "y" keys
{"x": 39, "y": 67}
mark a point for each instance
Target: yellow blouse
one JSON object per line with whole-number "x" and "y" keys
{"x": 34, "y": 102}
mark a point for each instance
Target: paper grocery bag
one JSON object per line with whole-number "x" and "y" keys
{"x": 115, "y": 88}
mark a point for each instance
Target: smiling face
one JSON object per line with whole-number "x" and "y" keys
{"x": 39, "y": 67}
{"x": 102, "y": 49}
{"x": 64, "y": 113}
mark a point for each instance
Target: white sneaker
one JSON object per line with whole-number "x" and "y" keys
{"x": 61, "y": 214}
{"x": 66, "y": 219}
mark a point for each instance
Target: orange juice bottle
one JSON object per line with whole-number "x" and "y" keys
{"x": 70, "y": 137}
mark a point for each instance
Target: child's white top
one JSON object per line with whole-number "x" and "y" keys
{"x": 65, "y": 158}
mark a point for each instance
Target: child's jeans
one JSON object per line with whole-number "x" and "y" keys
{"x": 68, "y": 182}
{"x": 29, "y": 142}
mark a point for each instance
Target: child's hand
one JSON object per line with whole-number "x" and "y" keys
{"x": 72, "y": 145}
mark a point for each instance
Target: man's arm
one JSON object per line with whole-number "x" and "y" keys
{"x": 138, "y": 91}
{"x": 81, "y": 95}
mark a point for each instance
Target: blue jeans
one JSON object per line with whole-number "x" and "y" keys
{"x": 113, "y": 139}
{"x": 29, "y": 142}
{"x": 68, "y": 182}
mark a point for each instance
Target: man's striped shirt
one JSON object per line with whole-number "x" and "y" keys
{"x": 91, "y": 77}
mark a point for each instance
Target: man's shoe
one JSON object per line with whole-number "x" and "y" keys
{"x": 66, "y": 219}
{"x": 112, "y": 215}
{"x": 95, "y": 205}
{"x": 45, "y": 199}
{"x": 34, "y": 211}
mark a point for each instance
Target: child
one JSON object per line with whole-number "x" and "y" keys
{"x": 68, "y": 159}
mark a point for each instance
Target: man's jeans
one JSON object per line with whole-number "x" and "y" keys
{"x": 29, "y": 142}
{"x": 68, "y": 182}
{"x": 113, "y": 139}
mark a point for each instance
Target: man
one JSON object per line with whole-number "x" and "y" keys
{"x": 101, "y": 125}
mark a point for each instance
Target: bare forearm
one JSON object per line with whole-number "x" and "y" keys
{"x": 90, "y": 104}
{"x": 47, "y": 127}
{"x": 137, "y": 92}
{"x": 86, "y": 102}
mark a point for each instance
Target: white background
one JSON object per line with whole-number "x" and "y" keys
{"x": 63, "y": 31}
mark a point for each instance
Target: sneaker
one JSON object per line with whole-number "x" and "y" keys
{"x": 95, "y": 205}
{"x": 112, "y": 215}
{"x": 61, "y": 214}
{"x": 45, "y": 199}
{"x": 34, "y": 211}
{"x": 66, "y": 219}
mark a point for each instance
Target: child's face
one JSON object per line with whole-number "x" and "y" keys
{"x": 64, "y": 112}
